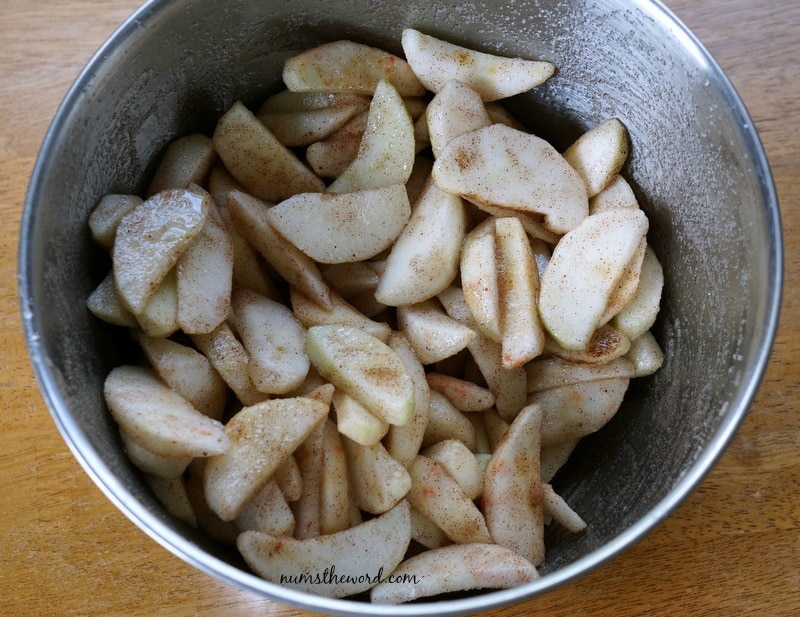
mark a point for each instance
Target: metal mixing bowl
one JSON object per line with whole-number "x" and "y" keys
{"x": 696, "y": 164}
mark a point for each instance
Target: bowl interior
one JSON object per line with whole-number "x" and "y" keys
{"x": 696, "y": 166}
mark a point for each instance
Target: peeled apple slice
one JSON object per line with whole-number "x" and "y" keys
{"x": 358, "y": 554}
{"x": 151, "y": 238}
{"x": 599, "y": 154}
{"x": 336, "y": 228}
{"x": 584, "y": 271}
{"x": 457, "y": 567}
{"x": 346, "y": 66}
{"x": 363, "y": 367}
{"x": 514, "y": 170}
{"x": 436, "y": 62}
{"x": 387, "y": 149}
{"x": 456, "y": 110}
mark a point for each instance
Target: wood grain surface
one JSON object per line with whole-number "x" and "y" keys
{"x": 733, "y": 548}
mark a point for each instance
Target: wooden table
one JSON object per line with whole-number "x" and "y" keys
{"x": 733, "y": 548}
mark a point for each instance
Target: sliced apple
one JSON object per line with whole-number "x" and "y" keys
{"x": 445, "y": 421}
{"x": 158, "y": 418}
{"x": 346, "y": 66}
{"x": 335, "y": 565}
{"x": 426, "y": 532}
{"x": 331, "y": 156}
{"x": 433, "y": 335}
{"x": 231, "y": 360}
{"x": 455, "y": 110}
{"x": 377, "y": 480}
{"x": 307, "y": 508}
{"x": 599, "y": 154}
{"x": 104, "y": 303}
{"x": 618, "y": 194}
{"x": 365, "y": 368}
{"x": 509, "y": 386}
{"x": 335, "y": 502}
{"x": 558, "y": 509}
{"x": 639, "y": 315}
{"x": 606, "y": 345}
{"x": 356, "y": 422}
{"x": 464, "y": 395}
{"x": 160, "y": 316}
{"x": 512, "y": 491}
{"x": 343, "y": 227}
{"x": 105, "y": 218}
{"x": 574, "y": 411}
{"x": 351, "y": 279}
{"x": 274, "y": 341}
{"x": 311, "y": 314}
{"x": 172, "y": 493}
{"x": 424, "y": 259}
{"x": 518, "y": 282}
{"x": 437, "y": 62}
{"x": 386, "y": 152}
{"x": 255, "y": 157}
{"x": 479, "y": 278}
{"x": 295, "y": 267}
{"x": 584, "y": 271}
{"x": 554, "y": 456}
{"x": 627, "y": 284}
{"x": 460, "y": 463}
{"x": 153, "y": 463}
{"x": 299, "y": 128}
{"x": 403, "y": 442}
{"x": 261, "y": 437}
{"x": 188, "y": 372}
{"x": 289, "y": 101}
{"x": 646, "y": 355}
{"x": 187, "y": 160}
{"x": 205, "y": 276}
{"x": 267, "y": 512}
{"x": 288, "y": 478}
{"x": 437, "y": 495}
{"x": 555, "y": 372}
{"x": 151, "y": 238}
{"x": 508, "y": 168}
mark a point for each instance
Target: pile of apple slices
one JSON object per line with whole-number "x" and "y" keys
{"x": 376, "y": 315}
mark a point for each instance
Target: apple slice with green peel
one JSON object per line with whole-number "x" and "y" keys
{"x": 387, "y": 149}
{"x": 151, "y": 238}
{"x": 334, "y": 565}
{"x": 639, "y": 315}
{"x": 456, "y": 567}
{"x": 584, "y": 271}
{"x": 336, "y": 228}
{"x": 518, "y": 282}
{"x": 437, "y": 62}
{"x": 424, "y": 259}
{"x": 365, "y": 368}
{"x": 356, "y": 422}
{"x": 377, "y": 480}
{"x": 431, "y": 332}
{"x": 261, "y": 437}
{"x": 455, "y": 110}
{"x": 158, "y": 418}
{"x": 346, "y": 66}
{"x": 512, "y": 492}
{"x": 479, "y": 278}
{"x": 274, "y": 340}
{"x": 511, "y": 169}
{"x": 255, "y": 157}
{"x": 599, "y": 154}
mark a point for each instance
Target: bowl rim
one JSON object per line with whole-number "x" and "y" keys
{"x": 123, "y": 499}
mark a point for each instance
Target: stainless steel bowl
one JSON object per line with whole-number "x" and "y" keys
{"x": 696, "y": 164}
